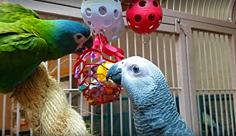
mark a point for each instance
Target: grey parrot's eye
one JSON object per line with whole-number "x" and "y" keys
{"x": 135, "y": 69}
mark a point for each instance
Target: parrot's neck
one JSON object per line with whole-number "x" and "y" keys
{"x": 47, "y": 30}
{"x": 155, "y": 120}
{"x": 159, "y": 115}
{"x": 52, "y": 32}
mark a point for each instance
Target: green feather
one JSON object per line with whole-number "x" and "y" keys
{"x": 18, "y": 43}
{"x": 20, "y": 54}
{"x": 14, "y": 12}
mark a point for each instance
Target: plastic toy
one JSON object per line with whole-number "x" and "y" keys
{"x": 103, "y": 16}
{"x": 144, "y": 16}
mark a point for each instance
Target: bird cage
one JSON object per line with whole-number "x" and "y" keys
{"x": 195, "y": 49}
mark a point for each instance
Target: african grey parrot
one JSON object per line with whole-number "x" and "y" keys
{"x": 155, "y": 113}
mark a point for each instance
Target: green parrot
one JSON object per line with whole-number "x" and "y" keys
{"x": 26, "y": 41}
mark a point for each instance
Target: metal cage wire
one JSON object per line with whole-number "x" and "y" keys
{"x": 217, "y": 9}
{"x": 212, "y": 54}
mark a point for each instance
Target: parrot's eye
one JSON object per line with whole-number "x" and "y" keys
{"x": 79, "y": 39}
{"x": 135, "y": 69}
{"x": 78, "y": 36}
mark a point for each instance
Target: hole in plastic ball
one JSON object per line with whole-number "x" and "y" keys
{"x": 89, "y": 23}
{"x": 102, "y": 30}
{"x": 136, "y": 27}
{"x": 102, "y": 10}
{"x": 155, "y": 3}
{"x": 128, "y": 22}
{"x": 142, "y": 3}
{"x": 137, "y": 18}
{"x": 151, "y": 17}
{"x": 93, "y": 31}
{"x": 107, "y": 23}
{"x": 88, "y": 12}
{"x": 116, "y": 13}
{"x": 92, "y": 25}
{"x": 151, "y": 27}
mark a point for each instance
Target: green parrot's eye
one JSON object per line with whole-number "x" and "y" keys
{"x": 78, "y": 36}
{"x": 135, "y": 69}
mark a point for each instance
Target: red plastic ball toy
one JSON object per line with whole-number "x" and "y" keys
{"x": 144, "y": 16}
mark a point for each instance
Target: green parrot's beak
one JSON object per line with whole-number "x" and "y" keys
{"x": 87, "y": 45}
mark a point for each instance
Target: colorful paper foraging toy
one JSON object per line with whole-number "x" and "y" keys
{"x": 103, "y": 16}
{"x": 91, "y": 68}
{"x": 144, "y": 16}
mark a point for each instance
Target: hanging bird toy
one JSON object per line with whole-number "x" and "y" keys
{"x": 91, "y": 68}
{"x": 103, "y": 16}
{"x": 144, "y": 16}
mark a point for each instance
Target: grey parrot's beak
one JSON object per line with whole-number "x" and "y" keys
{"x": 114, "y": 73}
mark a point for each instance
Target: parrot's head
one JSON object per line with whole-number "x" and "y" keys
{"x": 69, "y": 37}
{"x": 142, "y": 79}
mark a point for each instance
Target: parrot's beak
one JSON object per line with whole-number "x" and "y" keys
{"x": 86, "y": 45}
{"x": 89, "y": 43}
{"x": 115, "y": 74}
